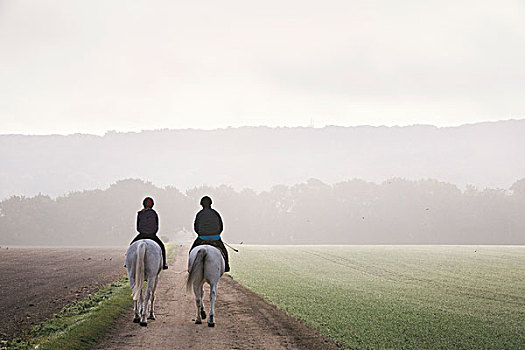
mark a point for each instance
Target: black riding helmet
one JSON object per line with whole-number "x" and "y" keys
{"x": 206, "y": 201}
{"x": 148, "y": 202}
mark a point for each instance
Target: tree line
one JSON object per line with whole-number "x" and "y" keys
{"x": 397, "y": 211}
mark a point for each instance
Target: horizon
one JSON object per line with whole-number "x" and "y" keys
{"x": 112, "y": 131}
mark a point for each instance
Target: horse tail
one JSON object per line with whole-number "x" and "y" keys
{"x": 196, "y": 268}
{"x": 139, "y": 271}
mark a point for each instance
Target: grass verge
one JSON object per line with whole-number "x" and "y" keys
{"x": 82, "y": 323}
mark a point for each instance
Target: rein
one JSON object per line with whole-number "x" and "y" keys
{"x": 235, "y": 250}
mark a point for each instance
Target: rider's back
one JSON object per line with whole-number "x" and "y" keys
{"x": 147, "y": 221}
{"x": 208, "y": 222}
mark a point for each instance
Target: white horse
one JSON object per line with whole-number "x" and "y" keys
{"x": 144, "y": 262}
{"x": 205, "y": 264}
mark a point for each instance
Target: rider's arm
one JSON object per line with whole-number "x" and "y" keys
{"x": 156, "y": 223}
{"x": 221, "y": 227}
{"x": 196, "y": 224}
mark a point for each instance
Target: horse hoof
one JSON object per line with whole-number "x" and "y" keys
{"x": 198, "y": 322}
{"x": 144, "y": 324}
{"x": 151, "y": 318}
{"x": 136, "y": 320}
{"x": 203, "y": 315}
{"x": 211, "y": 324}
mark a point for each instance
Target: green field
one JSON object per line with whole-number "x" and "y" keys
{"x": 410, "y": 297}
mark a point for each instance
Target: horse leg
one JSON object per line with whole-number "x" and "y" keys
{"x": 141, "y": 302}
{"x": 213, "y": 296}
{"x": 136, "y": 318}
{"x": 151, "y": 313}
{"x": 147, "y": 297}
{"x": 203, "y": 313}
{"x": 143, "y": 306}
{"x": 197, "y": 289}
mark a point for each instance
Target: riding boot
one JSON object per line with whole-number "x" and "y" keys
{"x": 163, "y": 250}
{"x": 222, "y": 247}
{"x": 164, "y": 265}
{"x": 226, "y": 260}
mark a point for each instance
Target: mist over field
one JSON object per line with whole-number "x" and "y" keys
{"x": 335, "y": 185}
{"x": 351, "y": 212}
{"x": 485, "y": 155}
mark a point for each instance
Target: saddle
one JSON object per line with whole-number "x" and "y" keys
{"x": 217, "y": 244}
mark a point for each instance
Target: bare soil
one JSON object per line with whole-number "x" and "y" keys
{"x": 36, "y": 283}
{"x": 243, "y": 320}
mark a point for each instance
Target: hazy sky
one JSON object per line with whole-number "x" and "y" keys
{"x": 91, "y": 66}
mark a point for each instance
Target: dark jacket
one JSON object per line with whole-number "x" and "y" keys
{"x": 147, "y": 221}
{"x": 208, "y": 222}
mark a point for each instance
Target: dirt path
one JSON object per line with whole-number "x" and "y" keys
{"x": 243, "y": 320}
{"x": 35, "y": 283}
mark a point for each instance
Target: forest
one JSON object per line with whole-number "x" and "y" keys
{"x": 396, "y": 211}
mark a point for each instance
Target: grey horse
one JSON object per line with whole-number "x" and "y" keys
{"x": 144, "y": 263}
{"x": 205, "y": 264}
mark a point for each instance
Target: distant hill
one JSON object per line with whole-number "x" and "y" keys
{"x": 484, "y": 154}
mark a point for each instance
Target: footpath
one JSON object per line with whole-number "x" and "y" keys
{"x": 243, "y": 320}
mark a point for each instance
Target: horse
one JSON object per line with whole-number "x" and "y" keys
{"x": 205, "y": 264}
{"x": 144, "y": 262}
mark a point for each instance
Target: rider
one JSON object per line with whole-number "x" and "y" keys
{"x": 208, "y": 225}
{"x": 148, "y": 225}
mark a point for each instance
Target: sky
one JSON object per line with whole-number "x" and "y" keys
{"x": 91, "y": 66}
